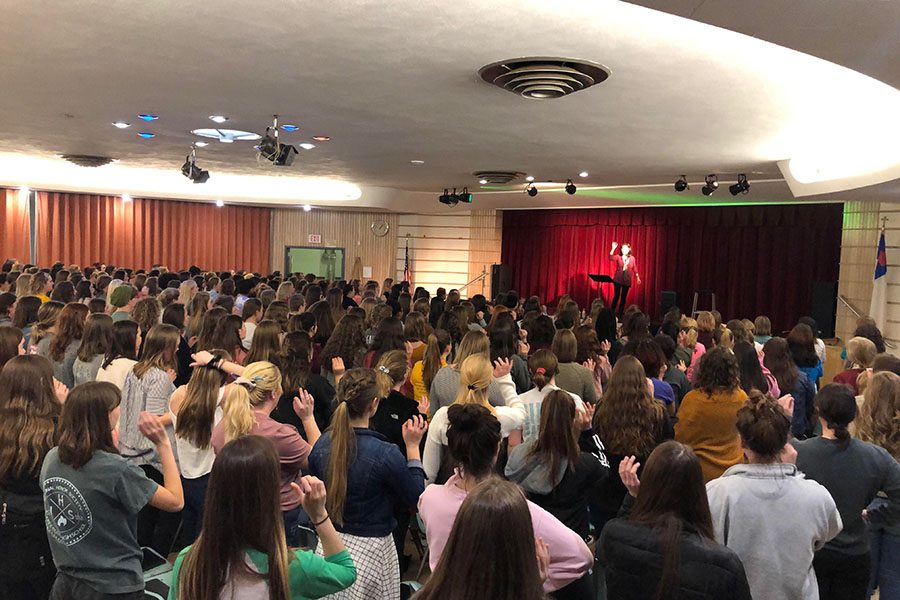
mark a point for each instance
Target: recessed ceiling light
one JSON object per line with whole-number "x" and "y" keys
{"x": 218, "y": 118}
{"x": 529, "y": 178}
{"x": 126, "y": 197}
{"x": 147, "y": 117}
{"x": 483, "y": 181}
{"x": 417, "y": 162}
{"x": 201, "y": 144}
{"x": 307, "y": 146}
{"x": 290, "y": 127}
{"x": 307, "y": 208}
{"x": 121, "y": 124}
{"x": 147, "y": 135}
{"x": 321, "y": 138}
{"x": 583, "y": 174}
{"x": 227, "y": 134}
{"x": 219, "y": 203}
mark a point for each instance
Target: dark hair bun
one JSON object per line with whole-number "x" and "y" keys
{"x": 467, "y": 418}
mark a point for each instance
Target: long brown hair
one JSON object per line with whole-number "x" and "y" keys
{"x": 198, "y": 410}
{"x": 207, "y": 328}
{"x": 347, "y": 339}
{"x": 244, "y": 492}
{"x": 47, "y": 315}
{"x": 628, "y": 418}
{"x": 356, "y": 391}
{"x": 29, "y": 409}
{"x": 84, "y": 426}
{"x": 96, "y": 338}
{"x": 158, "y": 349}
{"x": 266, "y": 345}
{"x": 673, "y": 500}
{"x": 69, "y": 328}
{"x": 438, "y": 342}
{"x": 414, "y": 328}
{"x": 493, "y": 523}
{"x": 879, "y": 417}
{"x": 557, "y": 439}
{"x": 778, "y": 360}
{"x": 10, "y": 340}
{"x": 295, "y": 360}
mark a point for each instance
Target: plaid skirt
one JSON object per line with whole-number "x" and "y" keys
{"x": 377, "y": 568}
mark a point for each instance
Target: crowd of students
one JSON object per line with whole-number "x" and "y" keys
{"x": 282, "y": 437}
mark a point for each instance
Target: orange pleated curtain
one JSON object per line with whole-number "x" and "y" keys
{"x": 14, "y": 236}
{"x": 86, "y": 228}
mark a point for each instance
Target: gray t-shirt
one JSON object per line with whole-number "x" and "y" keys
{"x": 91, "y": 517}
{"x": 62, "y": 369}
{"x": 85, "y": 372}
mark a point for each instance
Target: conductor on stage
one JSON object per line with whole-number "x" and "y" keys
{"x": 625, "y": 267}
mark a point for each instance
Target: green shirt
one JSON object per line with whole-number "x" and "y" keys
{"x": 309, "y": 575}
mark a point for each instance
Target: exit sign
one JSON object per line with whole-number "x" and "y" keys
{"x": 315, "y": 238}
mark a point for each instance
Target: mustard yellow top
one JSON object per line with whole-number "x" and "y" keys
{"x": 418, "y": 381}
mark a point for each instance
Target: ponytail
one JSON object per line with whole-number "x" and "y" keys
{"x": 475, "y": 376}
{"x": 431, "y": 361}
{"x": 543, "y": 366}
{"x": 357, "y": 389}
{"x": 836, "y": 404}
{"x": 237, "y": 415}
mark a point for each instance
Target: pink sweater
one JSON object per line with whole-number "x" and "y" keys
{"x": 570, "y": 557}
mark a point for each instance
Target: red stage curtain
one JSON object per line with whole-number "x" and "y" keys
{"x": 758, "y": 259}
{"x": 14, "y": 227}
{"x": 85, "y": 228}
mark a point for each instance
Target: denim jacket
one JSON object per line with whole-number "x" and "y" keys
{"x": 379, "y": 477}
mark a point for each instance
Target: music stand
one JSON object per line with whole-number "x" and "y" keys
{"x": 601, "y": 279}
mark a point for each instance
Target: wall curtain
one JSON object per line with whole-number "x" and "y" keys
{"x": 86, "y": 228}
{"x": 14, "y": 226}
{"x": 758, "y": 259}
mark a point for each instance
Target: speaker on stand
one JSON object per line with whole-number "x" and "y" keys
{"x": 501, "y": 279}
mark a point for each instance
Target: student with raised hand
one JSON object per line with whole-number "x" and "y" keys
{"x": 93, "y": 495}
{"x": 29, "y": 413}
{"x": 196, "y": 409}
{"x": 475, "y": 379}
{"x": 766, "y": 511}
{"x": 148, "y": 388}
{"x": 663, "y": 544}
{"x": 246, "y": 410}
{"x": 365, "y": 476}
{"x": 474, "y": 438}
{"x": 854, "y": 472}
{"x": 249, "y": 558}
{"x": 707, "y": 416}
{"x": 295, "y": 361}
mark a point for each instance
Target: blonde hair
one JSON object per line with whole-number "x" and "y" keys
{"x": 475, "y": 376}
{"x": 285, "y": 291}
{"x": 23, "y": 286}
{"x": 879, "y": 416}
{"x": 237, "y": 410}
{"x": 186, "y": 291}
{"x": 395, "y": 365}
{"x": 473, "y": 343}
{"x": 861, "y": 351}
{"x": 691, "y": 332}
{"x": 706, "y": 321}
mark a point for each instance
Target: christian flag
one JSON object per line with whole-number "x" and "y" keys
{"x": 406, "y": 264}
{"x": 878, "y": 308}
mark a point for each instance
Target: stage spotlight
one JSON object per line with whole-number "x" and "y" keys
{"x": 712, "y": 184}
{"x": 464, "y": 196}
{"x": 682, "y": 184}
{"x": 741, "y": 187}
{"x": 190, "y": 169}
{"x": 448, "y": 199}
{"x": 269, "y": 147}
{"x": 531, "y": 190}
{"x": 570, "y": 188}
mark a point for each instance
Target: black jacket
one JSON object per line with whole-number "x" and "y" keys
{"x": 708, "y": 571}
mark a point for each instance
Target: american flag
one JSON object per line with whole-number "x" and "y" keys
{"x": 406, "y": 263}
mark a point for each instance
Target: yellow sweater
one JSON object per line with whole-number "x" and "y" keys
{"x": 707, "y": 424}
{"x": 418, "y": 381}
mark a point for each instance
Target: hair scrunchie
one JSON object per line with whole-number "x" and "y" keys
{"x": 384, "y": 369}
{"x": 540, "y": 371}
{"x": 472, "y": 387}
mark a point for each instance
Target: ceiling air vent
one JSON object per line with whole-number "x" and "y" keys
{"x": 542, "y": 78}
{"x": 86, "y": 160}
{"x": 497, "y": 177}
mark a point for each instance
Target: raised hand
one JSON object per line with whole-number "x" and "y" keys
{"x": 337, "y": 366}
{"x": 152, "y": 428}
{"x": 628, "y": 469}
{"x": 786, "y": 403}
{"x": 605, "y": 345}
{"x": 542, "y": 552}
{"x": 303, "y": 405}
{"x": 424, "y": 405}
{"x": 682, "y": 367}
{"x": 502, "y": 367}
{"x": 590, "y": 365}
{"x": 201, "y": 359}
{"x": 614, "y": 246}
{"x": 62, "y": 392}
{"x": 311, "y": 492}
{"x": 584, "y": 417}
{"x": 414, "y": 430}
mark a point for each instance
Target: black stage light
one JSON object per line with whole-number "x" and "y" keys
{"x": 447, "y": 199}
{"x": 681, "y": 184}
{"x": 531, "y": 190}
{"x": 741, "y": 187}
{"x": 268, "y": 145}
{"x": 285, "y": 155}
{"x": 190, "y": 169}
{"x": 570, "y": 188}
{"x": 712, "y": 184}
{"x": 464, "y": 196}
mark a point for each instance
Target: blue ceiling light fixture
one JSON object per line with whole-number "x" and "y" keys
{"x": 147, "y": 135}
{"x": 148, "y": 117}
{"x": 290, "y": 128}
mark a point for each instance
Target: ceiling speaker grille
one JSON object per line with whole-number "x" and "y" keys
{"x": 542, "y": 78}
{"x": 498, "y": 177}
{"x": 86, "y": 160}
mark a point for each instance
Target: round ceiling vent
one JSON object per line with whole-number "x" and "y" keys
{"x": 86, "y": 160}
{"x": 542, "y": 78}
{"x": 227, "y": 136}
{"x": 497, "y": 177}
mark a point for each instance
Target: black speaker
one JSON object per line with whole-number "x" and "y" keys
{"x": 667, "y": 300}
{"x": 824, "y": 307}
{"x": 501, "y": 279}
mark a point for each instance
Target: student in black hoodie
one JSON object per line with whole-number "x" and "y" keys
{"x": 663, "y": 545}
{"x": 560, "y": 468}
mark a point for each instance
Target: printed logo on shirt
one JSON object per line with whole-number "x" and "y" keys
{"x": 68, "y": 517}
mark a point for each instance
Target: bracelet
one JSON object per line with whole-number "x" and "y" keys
{"x": 216, "y": 363}
{"x": 322, "y": 521}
